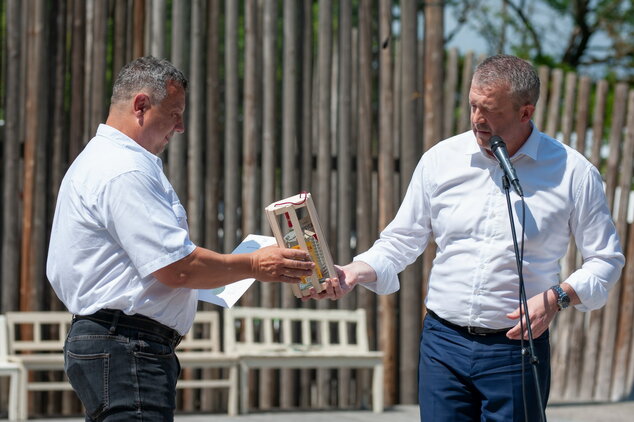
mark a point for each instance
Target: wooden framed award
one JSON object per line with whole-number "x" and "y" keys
{"x": 295, "y": 224}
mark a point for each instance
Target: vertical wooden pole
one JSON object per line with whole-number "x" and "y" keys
{"x": 344, "y": 173}
{"x": 250, "y": 135}
{"x": 451, "y": 81}
{"x": 611, "y": 310}
{"x": 177, "y": 149}
{"x": 213, "y": 147}
{"x": 11, "y": 153}
{"x": 196, "y": 130}
{"x": 591, "y": 352}
{"x": 157, "y": 29}
{"x": 624, "y": 327}
{"x": 269, "y": 164}
{"x": 433, "y": 64}
{"x": 232, "y": 144}
{"x": 307, "y": 116}
{"x": 410, "y": 297}
{"x": 138, "y": 27}
{"x": 388, "y": 326}
{"x": 32, "y": 249}
{"x": 540, "y": 108}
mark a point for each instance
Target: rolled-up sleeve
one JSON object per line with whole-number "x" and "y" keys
{"x": 598, "y": 242}
{"x": 403, "y": 240}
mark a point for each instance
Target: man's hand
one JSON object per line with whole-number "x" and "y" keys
{"x": 280, "y": 264}
{"x": 334, "y": 287}
{"x": 348, "y": 276}
{"x": 542, "y": 309}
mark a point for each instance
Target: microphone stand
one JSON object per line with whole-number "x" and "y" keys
{"x": 524, "y": 316}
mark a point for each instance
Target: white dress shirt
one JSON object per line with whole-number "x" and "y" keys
{"x": 456, "y": 197}
{"x": 118, "y": 220}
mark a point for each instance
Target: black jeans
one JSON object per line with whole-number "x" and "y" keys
{"x": 121, "y": 373}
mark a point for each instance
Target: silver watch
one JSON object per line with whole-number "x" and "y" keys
{"x": 563, "y": 300}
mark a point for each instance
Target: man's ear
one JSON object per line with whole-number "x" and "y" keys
{"x": 526, "y": 112}
{"x": 141, "y": 104}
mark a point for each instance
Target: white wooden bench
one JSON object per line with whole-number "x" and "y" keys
{"x": 17, "y": 377}
{"x": 39, "y": 347}
{"x": 300, "y": 338}
{"x": 200, "y": 348}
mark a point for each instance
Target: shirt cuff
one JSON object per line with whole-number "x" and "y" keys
{"x": 592, "y": 291}
{"x": 386, "y": 277}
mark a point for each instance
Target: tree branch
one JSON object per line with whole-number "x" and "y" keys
{"x": 527, "y": 24}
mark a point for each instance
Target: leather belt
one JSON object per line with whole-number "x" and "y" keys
{"x": 114, "y": 318}
{"x": 476, "y": 331}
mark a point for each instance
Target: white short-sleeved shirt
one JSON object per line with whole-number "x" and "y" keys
{"x": 456, "y": 198}
{"x": 118, "y": 220}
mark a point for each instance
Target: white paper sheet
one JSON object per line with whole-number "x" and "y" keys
{"x": 228, "y": 295}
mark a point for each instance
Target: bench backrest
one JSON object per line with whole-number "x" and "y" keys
{"x": 46, "y": 332}
{"x": 204, "y": 335}
{"x": 263, "y": 329}
{"x": 4, "y": 338}
{"x": 37, "y": 331}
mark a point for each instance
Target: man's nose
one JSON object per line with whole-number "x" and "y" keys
{"x": 477, "y": 117}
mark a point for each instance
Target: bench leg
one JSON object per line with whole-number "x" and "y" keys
{"x": 244, "y": 388}
{"x": 377, "y": 389}
{"x": 232, "y": 406}
{"x": 18, "y": 394}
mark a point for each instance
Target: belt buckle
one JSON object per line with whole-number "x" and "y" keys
{"x": 474, "y": 331}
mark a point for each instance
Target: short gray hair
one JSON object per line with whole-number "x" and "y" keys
{"x": 519, "y": 75}
{"x": 146, "y": 73}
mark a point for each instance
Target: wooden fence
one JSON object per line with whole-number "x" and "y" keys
{"x": 288, "y": 96}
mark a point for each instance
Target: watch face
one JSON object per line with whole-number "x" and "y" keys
{"x": 565, "y": 300}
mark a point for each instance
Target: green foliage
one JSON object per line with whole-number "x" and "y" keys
{"x": 595, "y": 34}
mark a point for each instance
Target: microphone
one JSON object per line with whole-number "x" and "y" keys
{"x": 498, "y": 148}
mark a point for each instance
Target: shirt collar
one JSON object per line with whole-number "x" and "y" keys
{"x": 125, "y": 141}
{"x": 529, "y": 149}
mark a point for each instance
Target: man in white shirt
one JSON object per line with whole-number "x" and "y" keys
{"x": 121, "y": 260}
{"x": 470, "y": 357}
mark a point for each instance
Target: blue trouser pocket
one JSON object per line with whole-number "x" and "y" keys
{"x": 88, "y": 374}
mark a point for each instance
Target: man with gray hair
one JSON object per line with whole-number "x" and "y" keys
{"x": 471, "y": 366}
{"x": 121, "y": 260}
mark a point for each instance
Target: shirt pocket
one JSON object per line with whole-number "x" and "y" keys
{"x": 181, "y": 214}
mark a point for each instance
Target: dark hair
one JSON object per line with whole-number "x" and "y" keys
{"x": 146, "y": 73}
{"x": 519, "y": 75}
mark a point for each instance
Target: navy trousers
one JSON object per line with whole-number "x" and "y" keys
{"x": 465, "y": 377}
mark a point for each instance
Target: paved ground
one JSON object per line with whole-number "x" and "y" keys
{"x": 579, "y": 412}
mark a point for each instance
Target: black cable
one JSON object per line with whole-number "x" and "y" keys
{"x": 519, "y": 259}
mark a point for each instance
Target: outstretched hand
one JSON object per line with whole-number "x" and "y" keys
{"x": 334, "y": 287}
{"x": 280, "y": 264}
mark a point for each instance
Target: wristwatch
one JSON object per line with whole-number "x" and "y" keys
{"x": 563, "y": 300}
